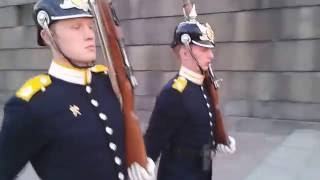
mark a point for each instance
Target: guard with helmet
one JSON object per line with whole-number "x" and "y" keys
{"x": 181, "y": 124}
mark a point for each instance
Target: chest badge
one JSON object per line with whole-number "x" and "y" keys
{"x": 75, "y": 110}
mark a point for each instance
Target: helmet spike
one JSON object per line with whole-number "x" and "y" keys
{"x": 189, "y": 12}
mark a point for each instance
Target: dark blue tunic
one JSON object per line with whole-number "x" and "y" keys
{"x": 179, "y": 128}
{"x": 62, "y": 145}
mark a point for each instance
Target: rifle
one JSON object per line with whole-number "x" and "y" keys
{"x": 212, "y": 84}
{"x": 121, "y": 76}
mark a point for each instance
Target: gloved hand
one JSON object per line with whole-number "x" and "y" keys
{"x": 137, "y": 172}
{"x": 227, "y": 149}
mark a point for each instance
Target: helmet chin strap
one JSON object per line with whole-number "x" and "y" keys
{"x": 58, "y": 50}
{"x": 187, "y": 45}
{"x": 186, "y": 40}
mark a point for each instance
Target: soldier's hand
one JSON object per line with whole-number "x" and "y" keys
{"x": 137, "y": 172}
{"x": 227, "y": 149}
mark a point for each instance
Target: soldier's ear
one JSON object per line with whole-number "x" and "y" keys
{"x": 184, "y": 52}
{"x": 45, "y": 37}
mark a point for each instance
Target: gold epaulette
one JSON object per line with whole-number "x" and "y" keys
{"x": 32, "y": 86}
{"x": 99, "y": 68}
{"x": 179, "y": 84}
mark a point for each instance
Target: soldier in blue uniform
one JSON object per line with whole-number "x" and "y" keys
{"x": 181, "y": 124}
{"x": 68, "y": 123}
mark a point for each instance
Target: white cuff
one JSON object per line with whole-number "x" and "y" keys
{"x": 137, "y": 172}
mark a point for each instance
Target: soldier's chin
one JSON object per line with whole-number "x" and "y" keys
{"x": 89, "y": 58}
{"x": 205, "y": 68}
{"x": 86, "y": 62}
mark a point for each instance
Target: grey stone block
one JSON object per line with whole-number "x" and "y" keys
{"x": 152, "y": 58}
{"x": 25, "y": 14}
{"x": 145, "y": 103}
{"x": 268, "y": 126}
{"x": 143, "y": 119}
{"x": 266, "y": 25}
{"x": 238, "y": 26}
{"x": 270, "y": 86}
{"x": 298, "y": 55}
{"x": 4, "y": 3}
{"x": 20, "y": 59}
{"x": 273, "y": 110}
{"x": 150, "y": 83}
{"x": 12, "y": 80}
{"x": 8, "y": 17}
{"x": 147, "y": 8}
{"x": 18, "y": 37}
{"x": 20, "y": 15}
{"x": 263, "y": 86}
{"x": 301, "y": 55}
{"x": 5, "y": 95}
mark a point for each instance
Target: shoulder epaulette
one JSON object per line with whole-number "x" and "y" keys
{"x": 99, "y": 68}
{"x": 179, "y": 84}
{"x": 32, "y": 86}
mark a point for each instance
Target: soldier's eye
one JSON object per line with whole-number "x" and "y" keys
{"x": 75, "y": 26}
{"x": 91, "y": 26}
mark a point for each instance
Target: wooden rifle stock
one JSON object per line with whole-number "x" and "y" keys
{"x": 219, "y": 132}
{"x": 134, "y": 144}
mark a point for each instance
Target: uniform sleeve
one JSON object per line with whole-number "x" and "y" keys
{"x": 19, "y": 138}
{"x": 168, "y": 114}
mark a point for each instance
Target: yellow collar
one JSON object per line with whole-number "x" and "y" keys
{"x": 70, "y": 74}
{"x": 191, "y": 75}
